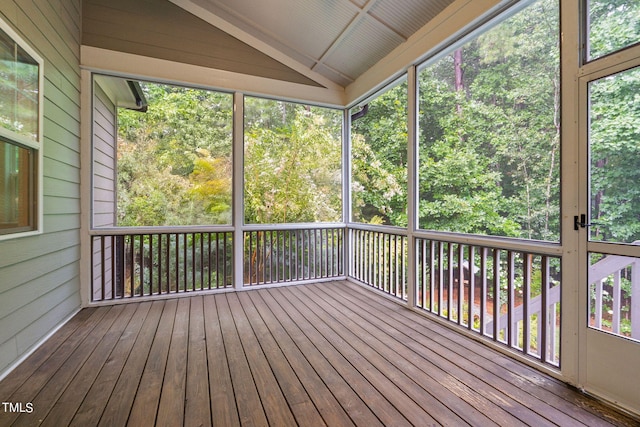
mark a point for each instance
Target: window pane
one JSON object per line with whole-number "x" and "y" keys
{"x": 613, "y": 281}
{"x": 17, "y": 188}
{"x": 379, "y": 159}
{"x": 18, "y": 89}
{"x": 614, "y": 143}
{"x": 489, "y": 131}
{"x": 292, "y": 162}
{"x": 174, "y": 160}
{"x": 613, "y": 25}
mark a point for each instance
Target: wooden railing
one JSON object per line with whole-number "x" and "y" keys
{"x": 379, "y": 259}
{"x": 129, "y": 263}
{"x": 293, "y": 253}
{"x": 509, "y": 295}
{"x": 613, "y": 282}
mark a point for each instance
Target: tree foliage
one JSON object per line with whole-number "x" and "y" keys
{"x": 489, "y": 136}
{"x": 292, "y": 163}
{"x": 174, "y": 160}
{"x": 488, "y": 144}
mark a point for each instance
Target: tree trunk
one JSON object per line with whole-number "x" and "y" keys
{"x": 459, "y": 82}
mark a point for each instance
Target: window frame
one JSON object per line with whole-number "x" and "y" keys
{"x": 34, "y": 174}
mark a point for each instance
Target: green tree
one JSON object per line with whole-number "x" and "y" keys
{"x": 379, "y": 160}
{"x": 489, "y": 131}
{"x": 174, "y": 160}
{"x": 292, "y": 163}
{"x": 614, "y": 139}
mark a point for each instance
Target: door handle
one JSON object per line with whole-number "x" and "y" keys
{"x": 582, "y": 223}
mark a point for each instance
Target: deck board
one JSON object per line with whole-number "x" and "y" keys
{"x": 333, "y": 354}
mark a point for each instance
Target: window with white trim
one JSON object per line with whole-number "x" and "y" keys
{"x": 20, "y": 135}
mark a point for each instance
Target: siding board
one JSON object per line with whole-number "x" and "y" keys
{"x": 39, "y": 275}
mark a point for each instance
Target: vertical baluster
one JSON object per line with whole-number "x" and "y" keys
{"x": 320, "y": 249}
{"x": 102, "y": 269}
{"x": 615, "y": 319}
{"x": 635, "y": 299}
{"x": 511, "y": 331}
{"x": 365, "y": 258}
{"x": 461, "y": 292}
{"x": 168, "y": 263}
{"x": 216, "y": 236}
{"x": 383, "y": 258}
{"x": 403, "y": 261}
{"x": 327, "y": 248}
{"x": 185, "y": 269}
{"x": 225, "y": 239}
{"x": 543, "y": 321}
{"x": 273, "y": 256}
{"x": 132, "y": 276}
{"x": 177, "y": 262}
{"x": 276, "y": 256}
{"x": 252, "y": 258}
{"x": 397, "y": 245}
{"x": 598, "y": 322}
{"x": 388, "y": 262}
{"x": 496, "y": 294}
{"x": 338, "y": 252}
{"x": 353, "y": 255}
{"x": 363, "y": 235}
{"x": 330, "y": 252}
{"x": 141, "y": 263}
{"x": 113, "y": 267}
{"x": 450, "y": 277}
{"x": 305, "y": 246}
{"x": 527, "y": 260}
{"x": 426, "y": 275}
{"x": 324, "y": 251}
{"x": 288, "y": 254}
{"x": 265, "y": 280}
{"x": 440, "y": 277}
{"x": 160, "y": 256}
{"x": 264, "y": 255}
{"x": 193, "y": 268}
{"x": 294, "y": 253}
{"x": 151, "y": 263}
{"x": 202, "y": 269}
{"x": 306, "y": 238}
{"x": 472, "y": 287}
{"x": 484, "y": 290}
{"x": 432, "y": 275}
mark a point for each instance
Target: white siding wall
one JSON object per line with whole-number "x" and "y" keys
{"x": 104, "y": 186}
{"x": 104, "y": 160}
{"x": 39, "y": 275}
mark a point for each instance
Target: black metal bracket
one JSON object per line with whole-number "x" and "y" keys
{"x": 582, "y": 223}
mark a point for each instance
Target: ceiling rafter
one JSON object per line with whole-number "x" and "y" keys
{"x": 332, "y": 42}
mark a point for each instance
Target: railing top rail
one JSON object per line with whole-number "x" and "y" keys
{"x": 506, "y": 243}
{"x": 293, "y": 226}
{"x": 123, "y": 231}
{"x": 390, "y": 229}
{"x": 609, "y": 265}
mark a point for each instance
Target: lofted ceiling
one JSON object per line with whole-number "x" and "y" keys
{"x": 330, "y": 41}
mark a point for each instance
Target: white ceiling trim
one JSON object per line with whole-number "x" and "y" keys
{"x": 146, "y": 68}
{"x": 254, "y": 42}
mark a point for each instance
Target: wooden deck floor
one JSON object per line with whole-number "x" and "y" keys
{"x": 330, "y": 354}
